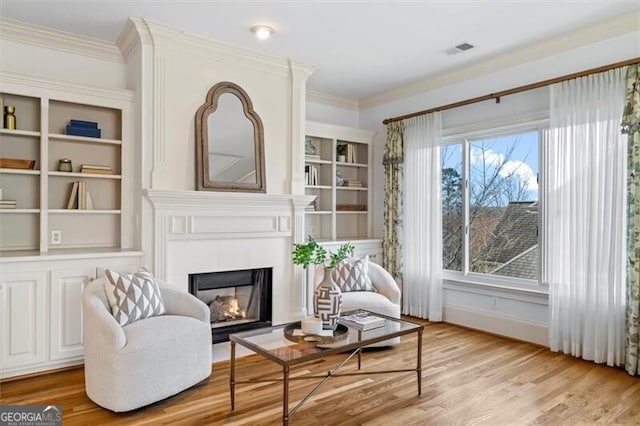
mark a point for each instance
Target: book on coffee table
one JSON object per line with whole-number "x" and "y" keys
{"x": 362, "y": 321}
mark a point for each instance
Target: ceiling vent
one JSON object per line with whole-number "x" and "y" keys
{"x": 459, "y": 48}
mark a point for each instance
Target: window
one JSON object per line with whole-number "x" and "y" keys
{"x": 490, "y": 205}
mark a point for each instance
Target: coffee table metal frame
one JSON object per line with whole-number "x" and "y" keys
{"x": 354, "y": 349}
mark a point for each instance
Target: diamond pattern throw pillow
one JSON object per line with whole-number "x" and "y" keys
{"x": 133, "y": 296}
{"x": 353, "y": 275}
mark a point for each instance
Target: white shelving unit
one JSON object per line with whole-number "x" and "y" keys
{"x": 41, "y": 283}
{"x": 342, "y": 211}
{"x": 41, "y": 194}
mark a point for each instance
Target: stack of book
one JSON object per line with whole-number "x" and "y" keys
{"x": 96, "y": 169}
{"x": 362, "y": 321}
{"x": 311, "y": 157}
{"x": 354, "y": 184}
{"x": 83, "y": 128}
{"x": 351, "y": 153}
{"x": 7, "y": 204}
{"x": 79, "y": 197}
{"x": 311, "y": 175}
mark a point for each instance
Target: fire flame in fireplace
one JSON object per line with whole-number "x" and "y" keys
{"x": 226, "y": 308}
{"x": 234, "y": 311}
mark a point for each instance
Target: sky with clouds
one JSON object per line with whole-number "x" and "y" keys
{"x": 517, "y": 153}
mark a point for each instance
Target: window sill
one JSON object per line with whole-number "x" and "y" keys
{"x": 456, "y": 281}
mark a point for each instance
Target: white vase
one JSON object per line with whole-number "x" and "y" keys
{"x": 327, "y": 301}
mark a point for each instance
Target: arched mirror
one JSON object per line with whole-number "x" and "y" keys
{"x": 229, "y": 142}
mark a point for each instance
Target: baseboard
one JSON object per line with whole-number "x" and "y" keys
{"x": 48, "y": 368}
{"x": 496, "y": 324}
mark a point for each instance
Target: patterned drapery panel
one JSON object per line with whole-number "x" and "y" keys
{"x": 631, "y": 126}
{"x": 392, "y": 239}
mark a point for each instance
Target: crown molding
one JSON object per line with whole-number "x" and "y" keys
{"x": 131, "y": 35}
{"x": 9, "y": 78}
{"x": 160, "y": 33}
{"x": 583, "y": 36}
{"x": 302, "y": 67}
{"x": 319, "y": 97}
{"x": 35, "y": 35}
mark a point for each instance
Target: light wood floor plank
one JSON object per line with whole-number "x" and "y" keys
{"x": 468, "y": 378}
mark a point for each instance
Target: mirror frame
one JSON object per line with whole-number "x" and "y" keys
{"x": 203, "y": 183}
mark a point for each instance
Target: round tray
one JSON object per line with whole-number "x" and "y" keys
{"x": 340, "y": 333}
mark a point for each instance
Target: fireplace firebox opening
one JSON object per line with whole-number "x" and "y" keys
{"x": 238, "y": 300}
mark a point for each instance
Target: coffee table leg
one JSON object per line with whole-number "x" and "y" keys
{"x": 359, "y": 350}
{"x": 285, "y": 396}
{"x": 419, "y": 366}
{"x": 232, "y": 376}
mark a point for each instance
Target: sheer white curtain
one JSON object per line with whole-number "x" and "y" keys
{"x": 585, "y": 215}
{"x": 422, "y": 246}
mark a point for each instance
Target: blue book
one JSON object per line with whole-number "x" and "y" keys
{"x": 83, "y": 131}
{"x": 84, "y": 124}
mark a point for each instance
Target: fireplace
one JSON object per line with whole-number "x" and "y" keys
{"x": 237, "y": 300}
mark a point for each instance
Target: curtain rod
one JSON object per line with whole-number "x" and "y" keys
{"x": 518, "y": 89}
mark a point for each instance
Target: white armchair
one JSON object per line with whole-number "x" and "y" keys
{"x": 148, "y": 360}
{"x": 385, "y": 301}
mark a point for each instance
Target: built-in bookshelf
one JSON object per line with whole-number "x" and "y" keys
{"x": 40, "y": 219}
{"x": 338, "y": 172}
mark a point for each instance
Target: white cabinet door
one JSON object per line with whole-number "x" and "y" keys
{"x": 66, "y": 311}
{"x": 23, "y": 319}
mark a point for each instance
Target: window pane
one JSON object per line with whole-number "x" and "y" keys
{"x": 503, "y": 205}
{"x": 452, "y": 217}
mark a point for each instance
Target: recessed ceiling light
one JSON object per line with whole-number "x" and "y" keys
{"x": 263, "y": 32}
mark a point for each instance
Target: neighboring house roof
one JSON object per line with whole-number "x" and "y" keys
{"x": 523, "y": 266}
{"x": 515, "y": 233}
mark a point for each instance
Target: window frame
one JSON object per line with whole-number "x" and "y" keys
{"x": 465, "y": 137}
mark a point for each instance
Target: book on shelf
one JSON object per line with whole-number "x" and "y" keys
{"x": 82, "y": 195}
{"x": 72, "y": 203}
{"x": 311, "y": 175}
{"x": 95, "y": 166}
{"x": 362, "y": 321}
{"x": 351, "y": 153}
{"x": 8, "y": 204}
{"x": 79, "y": 197}
{"x": 83, "y": 128}
{"x": 311, "y": 157}
{"x": 95, "y": 169}
{"x": 354, "y": 184}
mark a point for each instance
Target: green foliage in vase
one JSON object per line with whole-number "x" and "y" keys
{"x": 313, "y": 253}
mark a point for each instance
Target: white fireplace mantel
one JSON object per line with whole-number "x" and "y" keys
{"x": 202, "y": 231}
{"x": 210, "y": 200}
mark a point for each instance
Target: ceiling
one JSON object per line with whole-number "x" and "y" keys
{"x": 361, "y": 47}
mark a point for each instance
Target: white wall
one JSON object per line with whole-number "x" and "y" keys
{"x": 331, "y": 114}
{"x": 51, "y": 55}
{"x": 517, "y": 314}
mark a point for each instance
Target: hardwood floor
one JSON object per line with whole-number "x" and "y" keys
{"x": 468, "y": 378}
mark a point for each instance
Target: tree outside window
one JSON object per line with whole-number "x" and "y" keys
{"x": 502, "y": 202}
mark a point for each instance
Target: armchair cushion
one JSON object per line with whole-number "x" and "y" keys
{"x": 353, "y": 275}
{"x": 133, "y": 296}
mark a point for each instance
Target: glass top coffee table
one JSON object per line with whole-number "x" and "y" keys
{"x": 273, "y": 344}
